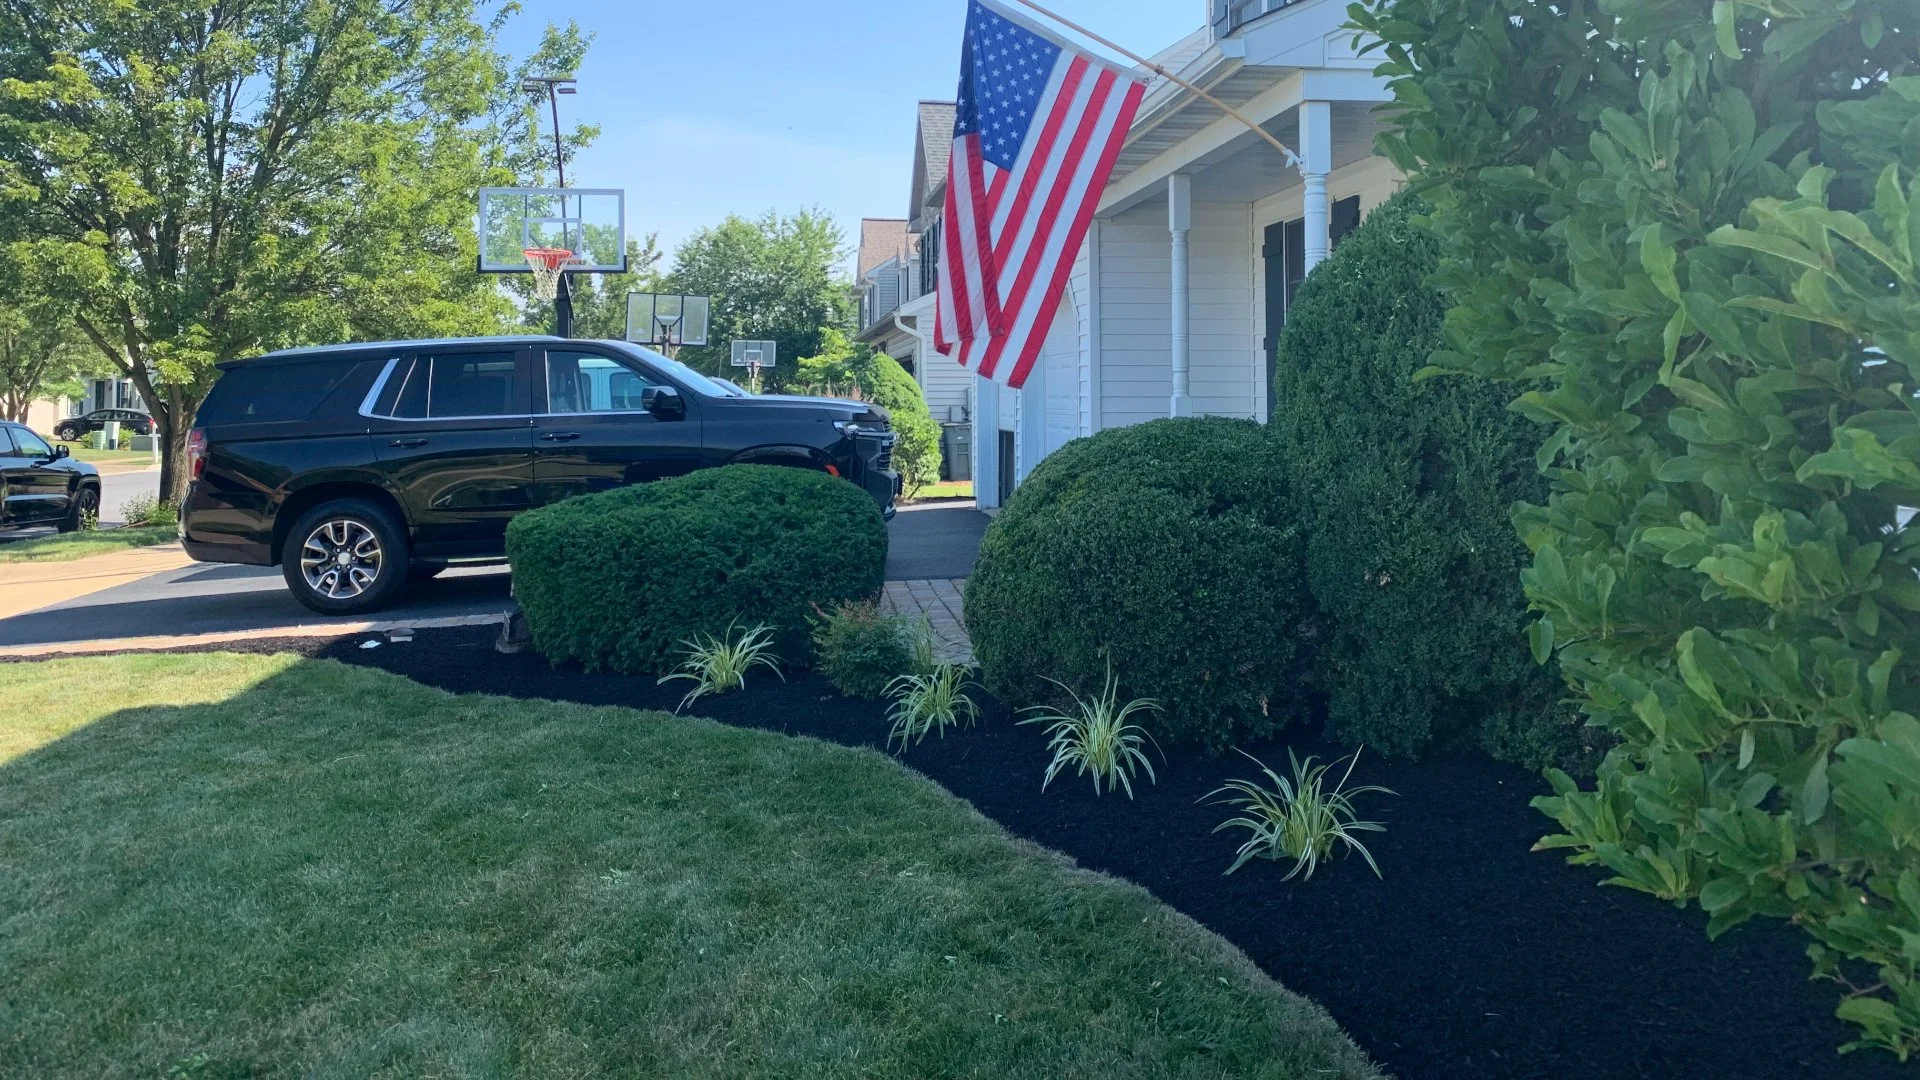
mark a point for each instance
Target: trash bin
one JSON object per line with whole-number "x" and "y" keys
{"x": 956, "y": 452}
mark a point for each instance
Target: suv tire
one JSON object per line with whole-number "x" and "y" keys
{"x": 86, "y": 500}
{"x": 67, "y": 433}
{"x": 346, "y": 557}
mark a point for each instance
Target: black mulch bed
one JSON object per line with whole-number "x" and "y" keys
{"x": 1473, "y": 958}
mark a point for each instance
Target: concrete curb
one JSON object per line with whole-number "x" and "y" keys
{"x": 188, "y": 641}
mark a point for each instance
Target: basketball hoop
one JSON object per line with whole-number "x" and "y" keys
{"x": 547, "y": 265}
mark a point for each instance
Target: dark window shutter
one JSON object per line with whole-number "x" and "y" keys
{"x": 1222, "y": 14}
{"x": 1345, "y": 218}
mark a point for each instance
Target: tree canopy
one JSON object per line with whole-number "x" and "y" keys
{"x": 205, "y": 179}
{"x": 771, "y": 279}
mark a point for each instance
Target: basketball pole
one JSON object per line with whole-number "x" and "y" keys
{"x": 563, "y": 308}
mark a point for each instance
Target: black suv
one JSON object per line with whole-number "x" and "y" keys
{"x": 41, "y": 485}
{"x": 354, "y": 467}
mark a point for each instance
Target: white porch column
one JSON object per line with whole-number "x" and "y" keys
{"x": 986, "y": 443}
{"x": 1316, "y": 161}
{"x": 1179, "y": 221}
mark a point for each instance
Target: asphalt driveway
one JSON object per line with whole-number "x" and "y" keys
{"x": 928, "y": 543}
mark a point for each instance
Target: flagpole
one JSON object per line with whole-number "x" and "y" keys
{"x": 1291, "y": 157}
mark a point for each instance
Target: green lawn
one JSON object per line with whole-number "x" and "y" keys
{"x": 79, "y": 545}
{"x": 213, "y": 865}
{"x": 80, "y": 452}
{"x": 949, "y": 489}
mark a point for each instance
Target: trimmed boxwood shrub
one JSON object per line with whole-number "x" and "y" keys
{"x": 1404, "y": 487}
{"x": 617, "y": 581}
{"x": 1169, "y": 548}
{"x": 917, "y": 454}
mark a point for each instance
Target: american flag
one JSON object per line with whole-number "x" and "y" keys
{"x": 1038, "y": 126}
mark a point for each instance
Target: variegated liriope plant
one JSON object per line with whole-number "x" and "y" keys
{"x": 1689, "y": 230}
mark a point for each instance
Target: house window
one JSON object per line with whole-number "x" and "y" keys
{"x": 930, "y": 258}
{"x": 1230, "y": 15}
{"x": 1286, "y": 267}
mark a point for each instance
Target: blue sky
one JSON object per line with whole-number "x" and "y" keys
{"x": 710, "y": 107}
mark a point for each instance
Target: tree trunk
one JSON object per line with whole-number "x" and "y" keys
{"x": 173, "y": 459}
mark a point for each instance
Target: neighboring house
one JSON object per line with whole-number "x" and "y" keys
{"x": 1203, "y": 228}
{"x": 897, "y": 295}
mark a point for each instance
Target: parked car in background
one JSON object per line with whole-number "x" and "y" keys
{"x": 41, "y": 485}
{"x": 131, "y": 421}
{"x": 355, "y": 467}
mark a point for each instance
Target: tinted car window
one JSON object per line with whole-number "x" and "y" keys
{"x": 6, "y": 442}
{"x": 589, "y": 383}
{"x": 269, "y": 393}
{"x": 31, "y": 445}
{"x": 454, "y": 385}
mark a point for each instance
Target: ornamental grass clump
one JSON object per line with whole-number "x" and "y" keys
{"x": 720, "y": 664}
{"x": 1096, "y": 735}
{"x": 1301, "y": 818}
{"x": 930, "y": 703}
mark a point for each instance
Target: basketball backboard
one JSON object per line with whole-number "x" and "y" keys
{"x": 590, "y": 222}
{"x": 667, "y": 319}
{"x": 754, "y": 354}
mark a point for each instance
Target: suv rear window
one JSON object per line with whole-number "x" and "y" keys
{"x": 272, "y": 392}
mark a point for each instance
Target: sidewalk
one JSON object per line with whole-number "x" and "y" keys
{"x": 31, "y": 586}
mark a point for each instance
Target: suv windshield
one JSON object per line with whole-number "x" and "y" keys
{"x": 678, "y": 371}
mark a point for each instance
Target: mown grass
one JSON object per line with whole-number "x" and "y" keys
{"x": 216, "y": 865}
{"x": 62, "y": 547}
{"x": 83, "y": 452}
{"x": 946, "y": 489}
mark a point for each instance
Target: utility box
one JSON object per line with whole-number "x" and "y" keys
{"x": 956, "y": 452}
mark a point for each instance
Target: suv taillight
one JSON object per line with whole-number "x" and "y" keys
{"x": 196, "y": 453}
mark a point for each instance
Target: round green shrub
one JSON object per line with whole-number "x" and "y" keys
{"x": 619, "y": 580}
{"x": 1168, "y": 548}
{"x": 1404, "y": 487}
{"x": 862, "y": 649}
{"x": 917, "y": 453}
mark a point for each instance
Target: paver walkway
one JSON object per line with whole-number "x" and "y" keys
{"x": 939, "y": 602}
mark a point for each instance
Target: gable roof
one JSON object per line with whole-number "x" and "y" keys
{"x": 933, "y": 147}
{"x": 881, "y": 239}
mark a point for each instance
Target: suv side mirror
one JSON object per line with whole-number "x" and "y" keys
{"x": 664, "y": 402}
{"x": 59, "y": 451}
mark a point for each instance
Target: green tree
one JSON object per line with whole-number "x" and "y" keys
{"x": 1697, "y": 225}
{"x": 41, "y": 353}
{"x": 771, "y": 279}
{"x": 205, "y": 179}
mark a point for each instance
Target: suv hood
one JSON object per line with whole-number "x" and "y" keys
{"x": 832, "y": 408}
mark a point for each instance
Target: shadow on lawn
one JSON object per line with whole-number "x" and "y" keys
{"x": 1473, "y": 958}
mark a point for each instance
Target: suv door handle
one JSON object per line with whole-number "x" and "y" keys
{"x": 407, "y": 444}
{"x": 560, "y": 436}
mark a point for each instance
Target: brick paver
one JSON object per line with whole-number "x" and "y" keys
{"x": 940, "y": 604}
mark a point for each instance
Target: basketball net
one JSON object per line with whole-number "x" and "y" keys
{"x": 547, "y": 265}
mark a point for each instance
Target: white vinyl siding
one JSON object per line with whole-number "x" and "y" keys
{"x": 1135, "y": 377}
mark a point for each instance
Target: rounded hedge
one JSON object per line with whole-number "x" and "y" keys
{"x": 619, "y": 580}
{"x": 917, "y": 453}
{"x": 1169, "y": 548}
{"x": 1404, "y": 487}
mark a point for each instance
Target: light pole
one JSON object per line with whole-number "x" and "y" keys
{"x": 553, "y": 86}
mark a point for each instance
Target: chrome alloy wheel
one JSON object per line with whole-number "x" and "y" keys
{"x": 341, "y": 559}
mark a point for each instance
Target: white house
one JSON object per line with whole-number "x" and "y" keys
{"x": 1201, "y": 238}
{"x": 898, "y": 281}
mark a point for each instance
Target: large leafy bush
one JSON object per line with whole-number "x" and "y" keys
{"x": 1698, "y": 225}
{"x": 1167, "y": 550}
{"x": 623, "y": 579}
{"x": 917, "y": 453}
{"x": 1404, "y": 488}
